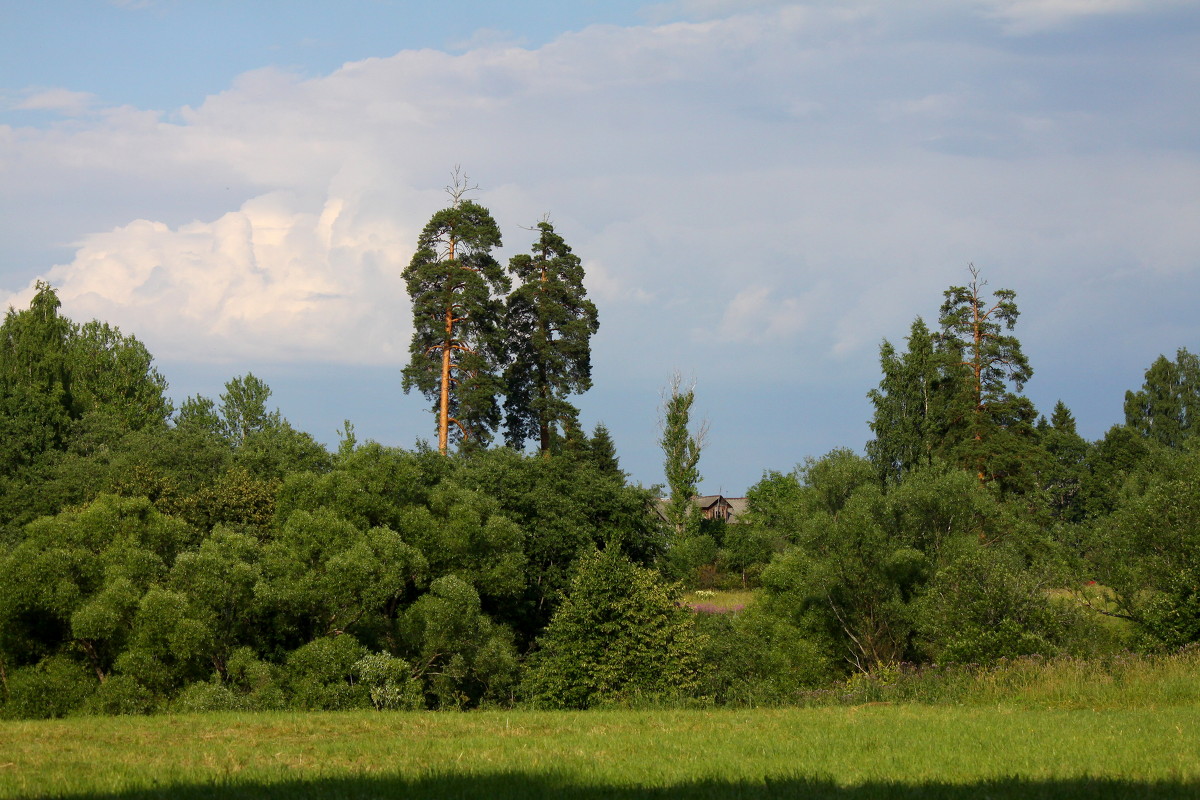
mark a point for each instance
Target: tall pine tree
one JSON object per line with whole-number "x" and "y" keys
{"x": 458, "y": 341}
{"x": 550, "y": 323}
{"x": 995, "y": 424}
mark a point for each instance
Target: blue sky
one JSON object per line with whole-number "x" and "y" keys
{"x": 760, "y": 191}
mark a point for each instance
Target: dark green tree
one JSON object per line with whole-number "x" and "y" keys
{"x": 1165, "y": 409}
{"x": 992, "y": 426}
{"x": 550, "y": 323}
{"x": 458, "y": 341}
{"x": 59, "y": 379}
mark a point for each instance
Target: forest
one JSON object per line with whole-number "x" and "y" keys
{"x": 213, "y": 557}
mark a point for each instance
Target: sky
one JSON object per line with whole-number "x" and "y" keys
{"x": 760, "y": 192}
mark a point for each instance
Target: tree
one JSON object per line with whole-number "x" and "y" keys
{"x": 681, "y": 448}
{"x": 550, "y": 322}
{"x": 972, "y": 333}
{"x": 457, "y": 343}
{"x": 1166, "y": 407}
{"x": 244, "y": 408}
{"x": 620, "y": 633}
{"x": 911, "y": 404}
{"x": 54, "y": 373}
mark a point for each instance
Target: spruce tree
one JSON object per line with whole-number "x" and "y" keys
{"x": 549, "y": 323}
{"x": 457, "y": 345}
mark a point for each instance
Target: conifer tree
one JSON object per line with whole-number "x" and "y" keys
{"x": 993, "y": 418}
{"x": 549, "y": 323}
{"x": 457, "y": 345}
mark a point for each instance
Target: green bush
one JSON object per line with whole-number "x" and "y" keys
{"x": 619, "y": 636}
{"x": 390, "y": 682}
{"x": 320, "y": 675}
{"x": 752, "y": 658}
{"x": 120, "y": 694}
{"x": 983, "y": 606}
{"x": 54, "y": 687}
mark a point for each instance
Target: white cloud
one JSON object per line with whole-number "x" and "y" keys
{"x": 64, "y": 101}
{"x": 1032, "y": 16}
{"x": 269, "y": 280}
{"x": 811, "y": 174}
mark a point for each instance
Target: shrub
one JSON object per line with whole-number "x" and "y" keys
{"x": 320, "y": 675}
{"x": 120, "y": 694}
{"x": 390, "y": 682}
{"x": 620, "y": 635}
{"x": 54, "y": 687}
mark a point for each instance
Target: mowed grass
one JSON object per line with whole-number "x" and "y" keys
{"x": 908, "y": 750}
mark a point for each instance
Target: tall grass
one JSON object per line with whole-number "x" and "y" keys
{"x": 860, "y": 752}
{"x": 1127, "y": 726}
{"x": 1123, "y": 680}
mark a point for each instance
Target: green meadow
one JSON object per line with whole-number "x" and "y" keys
{"x": 1061, "y": 729}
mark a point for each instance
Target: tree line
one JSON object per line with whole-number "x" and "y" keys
{"x": 215, "y": 557}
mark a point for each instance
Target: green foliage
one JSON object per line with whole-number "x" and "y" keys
{"x": 754, "y": 658}
{"x": 322, "y": 675}
{"x": 1166, "y": 408}
{"x": 244, "y": 409}
{"x": 914, "y": 403}
{"x": 681, "y": 450}
{"x": 452, "y": 279}
{"x": 54, "y": 372}
{"x": 549, "y": 323}
{"x": 461, "y": 656}
{"x": 120, "y": 695}
{"x": 390, "y": 682}
{"x": 54, "y": 687}
{"x": 688, "y": 554}
{"x": 1148, "y": 550}
{"x": 620, "y": 635}
{"x": 982, "y": 606}
{"x": 991, "y": 427}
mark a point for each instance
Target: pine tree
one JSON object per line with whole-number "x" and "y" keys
{"x": 550, "y": 322}
{"x": 457, "y": 345}
{"x": 996, "y": 424}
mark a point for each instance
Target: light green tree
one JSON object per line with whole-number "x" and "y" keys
{"x": 1167, "y": 406}
{"x": 620, "y": 634}
{"x": 681, "y": 445}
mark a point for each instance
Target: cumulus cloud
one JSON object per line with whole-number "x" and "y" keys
{"x": 813, "y": 174}
{"x": 269, "y": 280}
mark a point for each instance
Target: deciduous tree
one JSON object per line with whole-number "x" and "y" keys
{"x": 1165, "y": 409}
{"x": 681, "y": 450}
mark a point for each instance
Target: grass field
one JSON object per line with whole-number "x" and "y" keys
{"x": 855, "y": 752}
